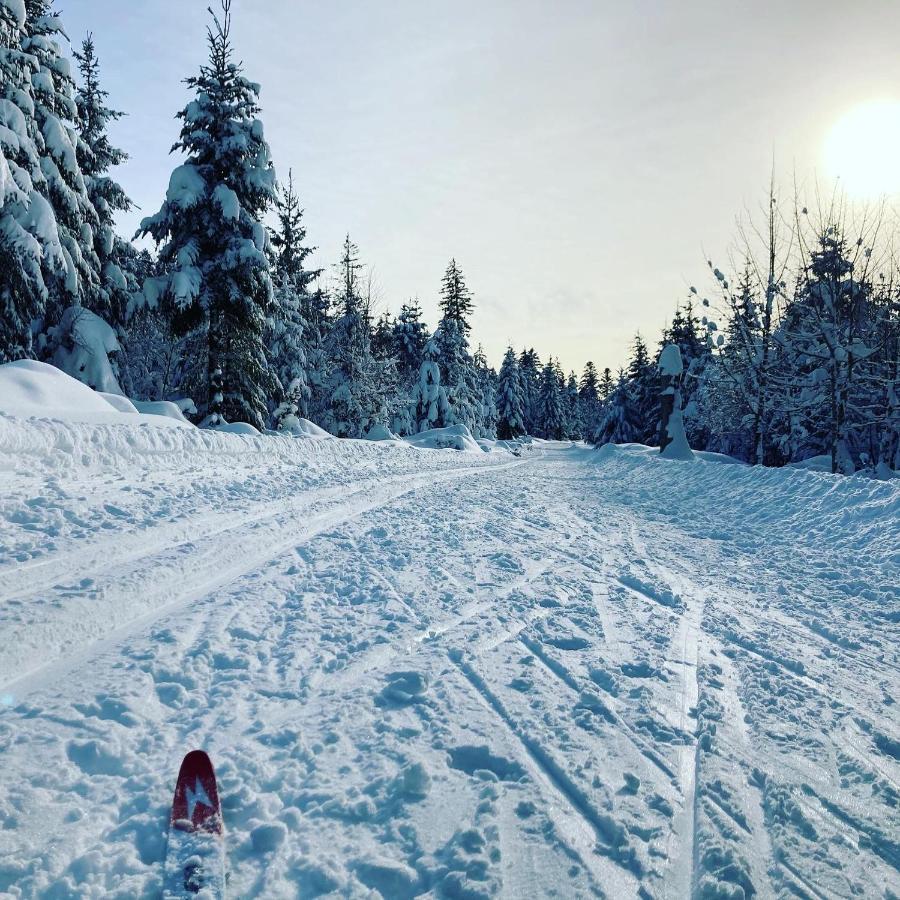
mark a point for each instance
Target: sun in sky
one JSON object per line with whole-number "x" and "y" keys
{"x": 862, "y": 149}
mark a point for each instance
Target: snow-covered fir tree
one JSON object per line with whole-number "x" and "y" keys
{"x": 589, "y": 401}
{"x": 358, "y": 384}
{"x": 529, "y": 378}
{"x": 450, "y": 349}
{"x": 485, "y": 389}
{"x": 456, "y": 300}
{"x": 217, "y": 287}
{"x": 286, "y": 327}
{"x": 510, "y": 419}
{"x": 827, "y": 341}
{"x": 620, "y": 422}
{"x": 550, "y": 404}
{"x": 574, "y": 416}
{"x": 687, "y": 333}
{"x": 642, "y": 394}
{"x": 428, "y": 406}
{"x": 606, "y": 386}
{"x": 58, "y": 142}
{"x": 31, "y": 254}
{"x": 410, "y": 335}
{"x": 97, "y": 156}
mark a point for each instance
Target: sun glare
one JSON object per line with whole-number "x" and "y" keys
{"x": 863, "y": 150}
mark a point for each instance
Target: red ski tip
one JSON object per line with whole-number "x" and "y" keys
{"x": 196, "y": 803}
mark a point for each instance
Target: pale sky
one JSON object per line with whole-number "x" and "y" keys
{"x": 577, "y": 158}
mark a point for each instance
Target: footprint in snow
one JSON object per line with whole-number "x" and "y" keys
{"x": 567, "y": 643}
{"x": 403, "y": 689}
{"x": 478, "y": 759}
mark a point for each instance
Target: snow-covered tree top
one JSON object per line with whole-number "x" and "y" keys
{"x": 670, "y": 361}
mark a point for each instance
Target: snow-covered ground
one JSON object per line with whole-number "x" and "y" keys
{"x": 453, "y": 674}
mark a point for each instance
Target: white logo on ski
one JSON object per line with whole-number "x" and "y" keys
{"x": 198, "y": 795}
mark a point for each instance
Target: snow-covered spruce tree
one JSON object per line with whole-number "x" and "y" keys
{"x": 357, "y": 386}
{"x": 510, "y": 421}
{"x": 286, "y": 326}
{"x": 154, "y": 359}
{"x": 63, "y": 185}
{"x": 620, "y": 422}
{"x": 530, "y": 378}
{"x": 826, "y": 343}
{"x": 642, "y": 394}
{"x": 428, "y": 400}
{"x": 218, "y": 288}
{"x": 410, "y": 335}
{"x": 456, "y": 301}
{"x": 606, "y": 386}
{"x": 552, "y": 421}
{"x": 486, "y": 397}
{"x": 96, "y": 156}
{"x": 450, "y": 349}
{"x": 31, "y": 254}
{"x": 589, "y": 401}
{"x": 574, "y": 415}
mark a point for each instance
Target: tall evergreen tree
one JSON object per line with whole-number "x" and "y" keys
{"x": 410, "y": 335}
{"x": 450, "y": 349}
{"x": 55, "y": 113}
{"x": 574, "y": 414}
{"x": 826, "y": 341}
{"x": 606, "y": 385}
{"x": 456, "y": 300}
{"x": 511, "y": 423}
{"x": 642, "y": 394}
{"x": 429, "y": 407}
{"x": 485, "y": 390}
{"x": 620, "y": 422}
{"x": 552, "y": 420}
{"x": 287, "y": 331}
{"x": 31, "y": 254}
{"x": 530, "y": 377}
{"x": 218, "y": 288}
{"x": 96, "y": 156}
{"x": 359, "y": 384}
{"x": 589, "y": 401}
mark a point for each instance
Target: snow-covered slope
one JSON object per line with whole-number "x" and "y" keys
{"x": 420, "y": 672}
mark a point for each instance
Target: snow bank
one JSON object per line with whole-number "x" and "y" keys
{"x": 453, "y": 437}
{"x": 776, "y": 505}
{"x": 160, "y": 408}
{"x": 31, "y": 389}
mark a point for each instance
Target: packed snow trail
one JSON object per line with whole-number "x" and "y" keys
{"x": 583, "y": 673}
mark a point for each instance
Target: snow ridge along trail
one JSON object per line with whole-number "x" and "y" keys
{"x": 584, "y": 673}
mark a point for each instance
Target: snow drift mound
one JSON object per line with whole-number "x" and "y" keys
{"x": 453, "y": 437}
{"x": 31, "y": 389}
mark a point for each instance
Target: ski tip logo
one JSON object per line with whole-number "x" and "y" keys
{"x": 196, "y": 802}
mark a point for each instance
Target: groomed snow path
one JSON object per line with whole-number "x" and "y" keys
{"x": 431, "y": 673}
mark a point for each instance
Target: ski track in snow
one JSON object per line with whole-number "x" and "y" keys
{"x": 427, "y": 673}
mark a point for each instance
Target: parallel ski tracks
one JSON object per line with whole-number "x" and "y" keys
{"x": 145, "y": 586}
